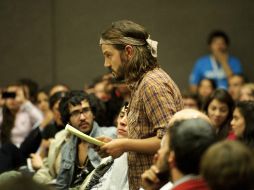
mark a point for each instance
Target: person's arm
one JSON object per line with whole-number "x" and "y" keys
{"x": 195, "y": 77}
{"x": 117, "y": 147}
{"x": 34, "y": 113}
{"x": 43, "y": 174}
{"x": 222, "y": 58}
{"x": 150, "y": 180}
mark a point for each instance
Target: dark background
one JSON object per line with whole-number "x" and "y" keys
{"x": 57, "y": 40}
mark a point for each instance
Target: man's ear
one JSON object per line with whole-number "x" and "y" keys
{"x": 171, "y": 159}
{"x": 129, "y": 51}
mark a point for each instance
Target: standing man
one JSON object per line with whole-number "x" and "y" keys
{"x": 132, "y": 56}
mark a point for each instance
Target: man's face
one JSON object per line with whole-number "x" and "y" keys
{"x": 82, "y": 117}
{"x": 235, "y": 84}
{"x": 114, "y": 61}
{"x": 161, "y": 159}
{"x": 218, "y": 44}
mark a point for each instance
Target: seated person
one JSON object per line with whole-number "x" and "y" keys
{"x": 48, "y": 168}
{"x": 219, "y": 65}
{"x": 78, "y": 159}
{"x": 247, "y": 92}
{"x": 235, "y": 83}
{"x": 243, "y": 122}
{"x": 228, "y": 165}
{"x": 190, "y": 100}
{"x": 205, "y": 88}
{"x": 190, "y": 133}
{"x": 219, "y": 108}
{"x": 111, "y": 174}
{"x": 42, "y": 102}
{"x": 20, "y": 132}
{"x": 55, "y": 126}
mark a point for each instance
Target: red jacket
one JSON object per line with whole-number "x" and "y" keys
{"x": 192, "y": 184}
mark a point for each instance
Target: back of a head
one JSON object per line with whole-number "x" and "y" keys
{"x": 228, "y": 165}
{"x": 22, "y": 183}
{"x": 189, "y": 139}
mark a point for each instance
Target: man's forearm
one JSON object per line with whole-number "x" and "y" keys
{"x": 148, "y": 146}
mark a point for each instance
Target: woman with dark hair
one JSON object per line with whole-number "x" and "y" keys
{"x": 219, "y": 108}
{"x": 243, "y": 122}
{"x": 19, "y": 132}
{"x": 205, "y": 88}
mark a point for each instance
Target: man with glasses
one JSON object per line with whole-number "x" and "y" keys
{"x": 78, "y": 159}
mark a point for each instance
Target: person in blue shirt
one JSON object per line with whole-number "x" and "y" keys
{"x": 218, "y": 65}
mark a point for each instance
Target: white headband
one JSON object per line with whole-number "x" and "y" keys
{"x": 132, "y": 41}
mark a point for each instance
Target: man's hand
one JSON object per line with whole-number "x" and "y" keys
{"x": 97, "y": 148}
{"x": 149, "y": 178}
{"x": 221, "y": 57}
{"x": 114, "y": 148}
{"x": 36, "y": 161}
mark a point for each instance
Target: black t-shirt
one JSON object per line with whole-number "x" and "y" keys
{"x": 80, "y": 173}
{"x": 50, "y": 130}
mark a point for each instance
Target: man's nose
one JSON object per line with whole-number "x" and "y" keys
{"x": 106, "y": 64}
{"x": 82, "y": 116}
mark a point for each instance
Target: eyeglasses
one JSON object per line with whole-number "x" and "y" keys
{"x": 77, "y": 113}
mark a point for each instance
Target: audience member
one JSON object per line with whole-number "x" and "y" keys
{"x": 20, "y": 132}
{"x": 159, "y": 173}
{"x": 42, "y": 102}
{"x": 78, "y": 159}
{"x": 205, "y": 88}
{"x": 186, "y": 141}
{"x": 235, "y": 83}
{"x": 58, "y": 88}
{"x": 49, "y": 131}
{"x": 228, "y": 165}
{"x": 243, "y": 122}
{"x": 219, "y": 108}
{"x": 247, "y": 92}
{"x": 190, "y": 100}
{"x": 30, "y": 87}
{"x": 111, "y": 174}
{"x": 219, "y": 65}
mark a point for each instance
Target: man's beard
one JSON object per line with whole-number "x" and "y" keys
{"x": 120, "y": 73}
{"x": 164, "y": 173}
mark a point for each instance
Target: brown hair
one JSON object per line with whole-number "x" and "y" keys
{"x": 228, "y": 165}
{"x": 142, "y": 60}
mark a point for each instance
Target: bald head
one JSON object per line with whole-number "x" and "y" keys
{"x": 190, "y": 134}
{"x": 186, "y": 114}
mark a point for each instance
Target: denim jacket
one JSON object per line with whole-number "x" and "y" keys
{"x": 69, "y": 150}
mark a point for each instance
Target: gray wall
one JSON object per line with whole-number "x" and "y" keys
{"x": 57, "y": 40}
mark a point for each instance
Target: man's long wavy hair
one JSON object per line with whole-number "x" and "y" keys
{"x": 142, "y": 60}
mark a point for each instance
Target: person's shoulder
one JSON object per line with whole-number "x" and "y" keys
{"x": 61, "y": 134}
{"x": 203, "y": 59}
{"x": 154, "y": 76}
{"x": 109, "y": 131}
{"x": 233, "y": 59}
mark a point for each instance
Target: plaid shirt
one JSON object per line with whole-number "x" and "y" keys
{"x": 154, "y": 100}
